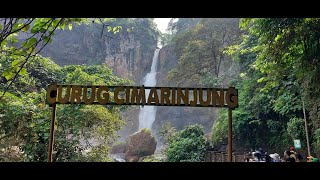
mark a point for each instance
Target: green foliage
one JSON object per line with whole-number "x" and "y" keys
{"x": 290, "y": 47}
{"x": 295, "y": 128}
{"x": 182, "y": 24}
{"x": 166, "y": 38}
{"x": 25, "y": 118}
{"x": 38, "y": 32}
{"x": 97, "y": 154}
{"x": 39, "y": 74}
{"x": 93, "y": 74}
{"x": 21, "y": 39}
{"x": 150, "y": 159}
{"x": 276, "y": 75}
{"x": 201, "y": 49}
{"x": 316, "y": 143}
{"x": 285, "y": 49}
{"x": 143, "y": 30}
{"x": 287, "y": 103}
{"x": 261, "y": 117}
{"x": 167, "y": 132}
{"x": 267, "y": 101}
{"x": 279, "y": 68}
{"x": 220, "y": 128}
{"x": 188, "y": 145}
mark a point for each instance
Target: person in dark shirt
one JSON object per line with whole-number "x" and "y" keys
{"x": 299, "y": 157}
{"x": 289, "y": 156}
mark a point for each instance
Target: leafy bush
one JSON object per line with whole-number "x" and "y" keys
{"x": 167, "y": 132}
{"x": 296, "y": 128}
{"x": 188, "y": 145}
{"x": 220, "y": 128}
{"x": 316, "y": 143}
{"x": 25, "y": 118}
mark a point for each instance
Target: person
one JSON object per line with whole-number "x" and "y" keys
{"x": 299, "y": 157}
{"x": 247, "y": 155}
{"x": 290, "y": 155}
{"x": 268, "y": 158}
{"x": 312, "y": 159}
{"x": 286, "y": 155}
{"x": 292, "y": 149}
{"x": 293, "y": 153}
{"x": 275, "y": 157}
{"x": 257, "y": 155}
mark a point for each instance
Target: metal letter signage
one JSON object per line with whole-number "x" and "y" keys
{"x": 136, "y": 95}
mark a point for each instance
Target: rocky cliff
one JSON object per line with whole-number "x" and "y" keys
{"x": 128, "y": 58}
{"x": 178, "y": 116}
{"x": 86, "y": 44}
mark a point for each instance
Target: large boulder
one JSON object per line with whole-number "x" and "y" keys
{"x": 132, "y": 158}
{"x": 141, "y": 143}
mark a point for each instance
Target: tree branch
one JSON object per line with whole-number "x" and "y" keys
{"x": 30, "y": 54}
{"x": 12, "y": 32}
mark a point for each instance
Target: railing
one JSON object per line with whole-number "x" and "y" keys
{"x": 215, "y": 156}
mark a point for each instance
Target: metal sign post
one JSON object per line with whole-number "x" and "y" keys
{"x": 229, "y": 134}
{"x": 306, "y": 127}
{"x": 50, "y": 149}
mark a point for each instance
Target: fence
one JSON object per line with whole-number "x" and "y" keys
{"x": 215, "y": 156}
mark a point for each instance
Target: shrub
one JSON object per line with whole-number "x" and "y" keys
{"x": 188, "y": 145}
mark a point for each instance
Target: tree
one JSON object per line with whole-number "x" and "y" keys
{"x": 188, "y": 145}
{"x": 289, "y": 52}
{"x": 274, "y": 61}
{"x": 180, "y": 25}
{"x": 200, "y": 50}
{"x": 167, "y": 132}
{"x": 21, "y": 39}
{"x": 25, "y": 118}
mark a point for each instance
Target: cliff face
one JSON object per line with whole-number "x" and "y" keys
{"x": 75, "y": 47}
{"x": 179, "y": 117}
{"x": 167, "y": 61}
{"x": 86, "y": 45}
{"x": 127, "y": 58}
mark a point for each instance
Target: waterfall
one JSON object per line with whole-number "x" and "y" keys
{"x": 147, "y": 114}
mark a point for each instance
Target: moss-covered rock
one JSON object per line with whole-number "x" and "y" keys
{"x": 141, "y": 143}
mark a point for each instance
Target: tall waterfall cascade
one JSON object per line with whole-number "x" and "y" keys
{"x": 147, "y": 114}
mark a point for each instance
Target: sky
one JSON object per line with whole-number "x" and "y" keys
{"x": 162, "y": 23}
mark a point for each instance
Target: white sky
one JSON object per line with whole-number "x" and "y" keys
{"x": 162, "y": 23}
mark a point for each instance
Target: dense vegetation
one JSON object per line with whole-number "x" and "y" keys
{"x": 24, "y": 114}
{"x": 200, "y": 51}
{"x": 187, "y": 145}
{"x": 25, "y": 117}
{"x": 277, "y": 76}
